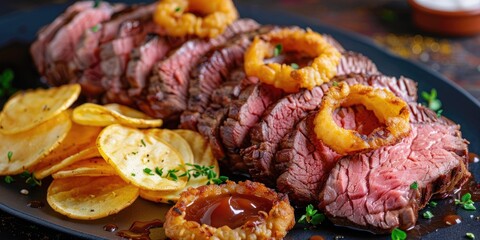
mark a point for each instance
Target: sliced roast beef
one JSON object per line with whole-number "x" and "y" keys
{"x": 372, "y": 190}
{"x": 352, "y": 62}
{"x": 61, "y": 49}
{"x": 168, "y": 89}
{"x": 212, "y": 118}
{"x": 304, "y": 162}
{"x": 243, "y": 113}
{"x": 47, "y": 33}
{"x": 281, "y": 117}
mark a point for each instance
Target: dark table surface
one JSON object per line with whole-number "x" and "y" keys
{"x": 387, "y": 22}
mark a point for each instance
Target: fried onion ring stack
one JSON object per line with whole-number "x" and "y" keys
{"x": 323, "y": 67}
{"x": 390, "y": 110}
{"x": 202, "y": 18}
{"x": 272, "y": 224}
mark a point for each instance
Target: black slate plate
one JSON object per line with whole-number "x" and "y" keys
{"x": 22, "y": 26}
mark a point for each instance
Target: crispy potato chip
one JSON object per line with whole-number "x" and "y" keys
{"x": 45, "y": 170}
{"x": 98, "y": 115}
{"x": 79, "y": 138}
{"x": 23, "y": 150}
{"x": 176, "y": 141}
{"x": 140, "y": 158}
{"x": 93, "y": 167}
{"x": 28, "y": 109}
{"x": 203, "y": 156}
{"x": 88, "y": 198}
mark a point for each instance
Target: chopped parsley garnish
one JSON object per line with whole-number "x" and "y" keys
{"x": 143, "y": 143}
{"x": 427, "y": 215}
{"x": 172, "y": 174}
{"x": 31, "y": 179}
{"x": 414, "y": 185}
{"x": 95, "y": 28}
{"x": 178, "y": 9}
{"x": 432, "y": 204}
{"x": 133, "y": 174}
{"x": 159, "y": 171}
{"x": 335, "y": 83}
{"x": 466, "y": 202}
{"x": 6, "y": 88}
{"x": 311, "y": 216}
{"x": 9, "y": 155}
{"x": 398, "y": 234}
{"x": 278, "y": 50}
{"x": 432, "y": 101}
{"x": 294, "y": 66}
{"x": 96, "y": 4}
{"x": 148, "y": 171}
{"x": 198, "y": 171}
{"x": 9, "y": 179}
{"x": 470, "y": 235}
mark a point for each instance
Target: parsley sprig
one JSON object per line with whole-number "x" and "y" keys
{"x": 398, "y": 234}
{"x": 311, "y": 216}
{"x": 466, "y": 202}
{"x": 30, "y": 179}
{"x": 207, "y": 171}
{"x": 432, "y": 101}
{"x": 6, "y": 88}
{"x": 278, "y": 50}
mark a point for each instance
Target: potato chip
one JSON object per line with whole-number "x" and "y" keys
{"x": 203, "y": 156}
{"x": 28, "y": 109}
{"x": 45, "y": 170}
{"x": 23, "y": 150}
{"x": 79, "y": 138}
{"x": 93, "y": 167}
{"x": 176, "y": 141}
{"x": 89, "y": 198}
{"x": 140, "y": 158}
{"x": 98, "y": 115}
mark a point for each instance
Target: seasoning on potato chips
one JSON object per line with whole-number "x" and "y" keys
{"x": 79, "y": 138}
{"x": 203, "y": 156}
{"x": 176, "y": 141}
{"x": 24, "y": 150}
{"x": 92, "y": 167}
{"x": 98, "y": 115}
{"x": 45, "y": 170}
{"x": 26, "y": 110}
{"x": 141, "y": 159}
{"x": 89, "y": 198}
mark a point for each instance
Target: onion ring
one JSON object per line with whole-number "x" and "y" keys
{"x": 321, "y": 70}
{"x": 388, "y": 108}
{"x": 179, "y": 18}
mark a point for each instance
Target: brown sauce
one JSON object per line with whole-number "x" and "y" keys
{"x": 110, "y": 227}
{"x": 228, "y": 210}
{"x": 444, "y": 215}
{"x": 140, "y": 230}
{"x": 36, "y": 204}
{"x": 472, "y": 187}
{"x": 473, "y": 157}
{"x": 452, "y": 219}
{"x": 316, "y": 237}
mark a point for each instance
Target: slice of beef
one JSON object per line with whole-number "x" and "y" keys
{"x": 304, "y": 162}
{"x": 214, "y": 69}
{"x": 212, "y": 118}
{"x": 281, "y": 117}
{"x": 60, "y": 50}
{"x": 372, "y": 190}
{"x": 168, "y": 88}
{"x": 47, "y": 33}
{"x": 352, "y": 62}
{"x": 243, "y": 113}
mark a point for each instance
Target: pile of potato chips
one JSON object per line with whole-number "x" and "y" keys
{"x": 100, "y": 157}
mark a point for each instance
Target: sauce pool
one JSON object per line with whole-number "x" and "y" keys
{"x": 228, "y": 210}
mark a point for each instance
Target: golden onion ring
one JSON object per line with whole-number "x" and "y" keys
{"x": 323, "y": 67}
{"x": 179, "y": 18}
{"x": 273, "y": 224}
{"x": 389, "y": 109}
